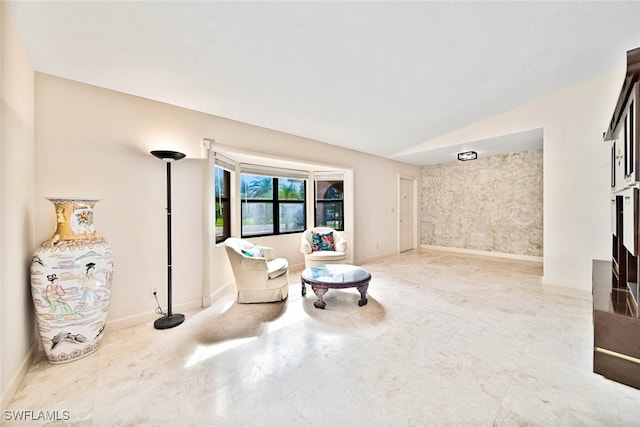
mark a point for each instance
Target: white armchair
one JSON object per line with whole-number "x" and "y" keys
{"x": 323, "y": 245}
{"x": 260, "y": 277}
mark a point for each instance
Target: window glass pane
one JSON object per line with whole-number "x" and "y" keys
{"x": 290, "y": 189}
{"x": 220, "y": 183}
{"x": 222, "y": 220}
{"x": 219, "y": 220}
{"x": 329, "y": 190}
{"x": 256, "y": 187}
{"x": 291, "y": 217}
{"x": 222, "y": 205}
{"x": 329, "y": 204}
{"x": 218, "y": 192}
{"x": 329, "y": 214}
{"x": 257, "y": 218}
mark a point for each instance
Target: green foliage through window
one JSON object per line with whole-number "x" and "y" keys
{"x": 272, "y": 205}
{"x": 222, "y": 198}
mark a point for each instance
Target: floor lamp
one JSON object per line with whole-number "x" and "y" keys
{"x": 170, "y": 320}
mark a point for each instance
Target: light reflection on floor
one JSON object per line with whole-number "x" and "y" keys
{"x": 446, "y": 339}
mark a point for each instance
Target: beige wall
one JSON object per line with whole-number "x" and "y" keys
{"x": 93, "y": 142}
{"x": 576, "y": 172}
{"x": 16, "y": 207}
{"x": 490, "y": 204}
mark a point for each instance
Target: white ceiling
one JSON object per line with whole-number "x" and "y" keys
{"x": 378, "y": 77}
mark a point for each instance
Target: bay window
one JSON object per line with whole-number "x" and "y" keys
{"x": 272, "y": 204}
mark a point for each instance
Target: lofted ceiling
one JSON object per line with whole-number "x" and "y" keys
{"x": 378, "y": 77}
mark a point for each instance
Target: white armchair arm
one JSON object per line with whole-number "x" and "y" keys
{"x": 341, "y": 243}
{"x": 305, "y": 247}
{"x": 268, "y": 252}
{"x": 254, "y": 264}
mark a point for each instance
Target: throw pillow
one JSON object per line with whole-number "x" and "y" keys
{"x": 254, "y": 251}
{"x": 322, "y": 242}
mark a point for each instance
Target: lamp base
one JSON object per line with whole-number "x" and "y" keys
{"x": 168, "y": 322}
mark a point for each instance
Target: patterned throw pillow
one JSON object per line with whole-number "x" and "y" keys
{"x": 322, "y": 242}
{"x": 254, "y": 251}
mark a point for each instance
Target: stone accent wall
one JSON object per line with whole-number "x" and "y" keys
{"x": 490, "y": 204}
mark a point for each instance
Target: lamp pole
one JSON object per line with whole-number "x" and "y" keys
{"x": 170, "y": 320}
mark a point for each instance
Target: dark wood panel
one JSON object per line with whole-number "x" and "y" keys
{"x": 622, "y": 259}
{"x": 617, "y": 332}
{"x": 616, "y": 369}
{"x": 633, "y": 74}
{"x": 615, "y": 328}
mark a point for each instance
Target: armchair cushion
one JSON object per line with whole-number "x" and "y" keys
{"x": 326, "y": 257}
{"x": 277, "y": 267}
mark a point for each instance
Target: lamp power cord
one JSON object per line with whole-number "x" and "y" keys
{"x": 158, "y": 309}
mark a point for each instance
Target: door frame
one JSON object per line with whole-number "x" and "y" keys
{"x": 414, "y": 203}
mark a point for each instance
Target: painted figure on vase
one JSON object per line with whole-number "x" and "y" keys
{"x": 54, "y": 296}
{"x": 90, "y": 287}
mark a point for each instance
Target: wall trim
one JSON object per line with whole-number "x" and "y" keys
{"x": 138, "y": 319}
{"x": 486, "y": 253}
{"x": 18, "y": 377}
{"x": 373, "y": 258}
{"x": 226, "y": 288}
{"x": 150, "y": 316}
{"x": 572, "y": 284}
{"x": 297, "y": 268}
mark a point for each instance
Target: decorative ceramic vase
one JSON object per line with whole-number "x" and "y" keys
{"x": 71, "y": 283}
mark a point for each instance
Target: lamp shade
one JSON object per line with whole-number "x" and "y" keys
{"x": 167, "y": 155}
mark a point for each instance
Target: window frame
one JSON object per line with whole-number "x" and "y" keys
{"x": 323, "y": 201}
{"x": 275, "y": 203}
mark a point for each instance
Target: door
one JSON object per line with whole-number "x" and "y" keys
{"x": 406, "y": 215}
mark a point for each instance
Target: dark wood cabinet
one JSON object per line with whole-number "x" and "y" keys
{"x": 615, "y": 289}
{"x": 616, "y": 334}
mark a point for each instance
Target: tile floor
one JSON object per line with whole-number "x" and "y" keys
{"x": 446, "y": 339}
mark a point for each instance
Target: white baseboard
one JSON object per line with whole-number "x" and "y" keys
{"x": 569, "y": 284}
{"x": 16, "y": 381}
{"x": 137, "y": 319}
{"x": 485, "y": 253}
{"x": 226, "y": 288}
{"x": 374, "y": 258}
{"x": 296, "y": 268}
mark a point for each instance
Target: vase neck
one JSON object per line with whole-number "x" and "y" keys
{"x": 74, "y": 219}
